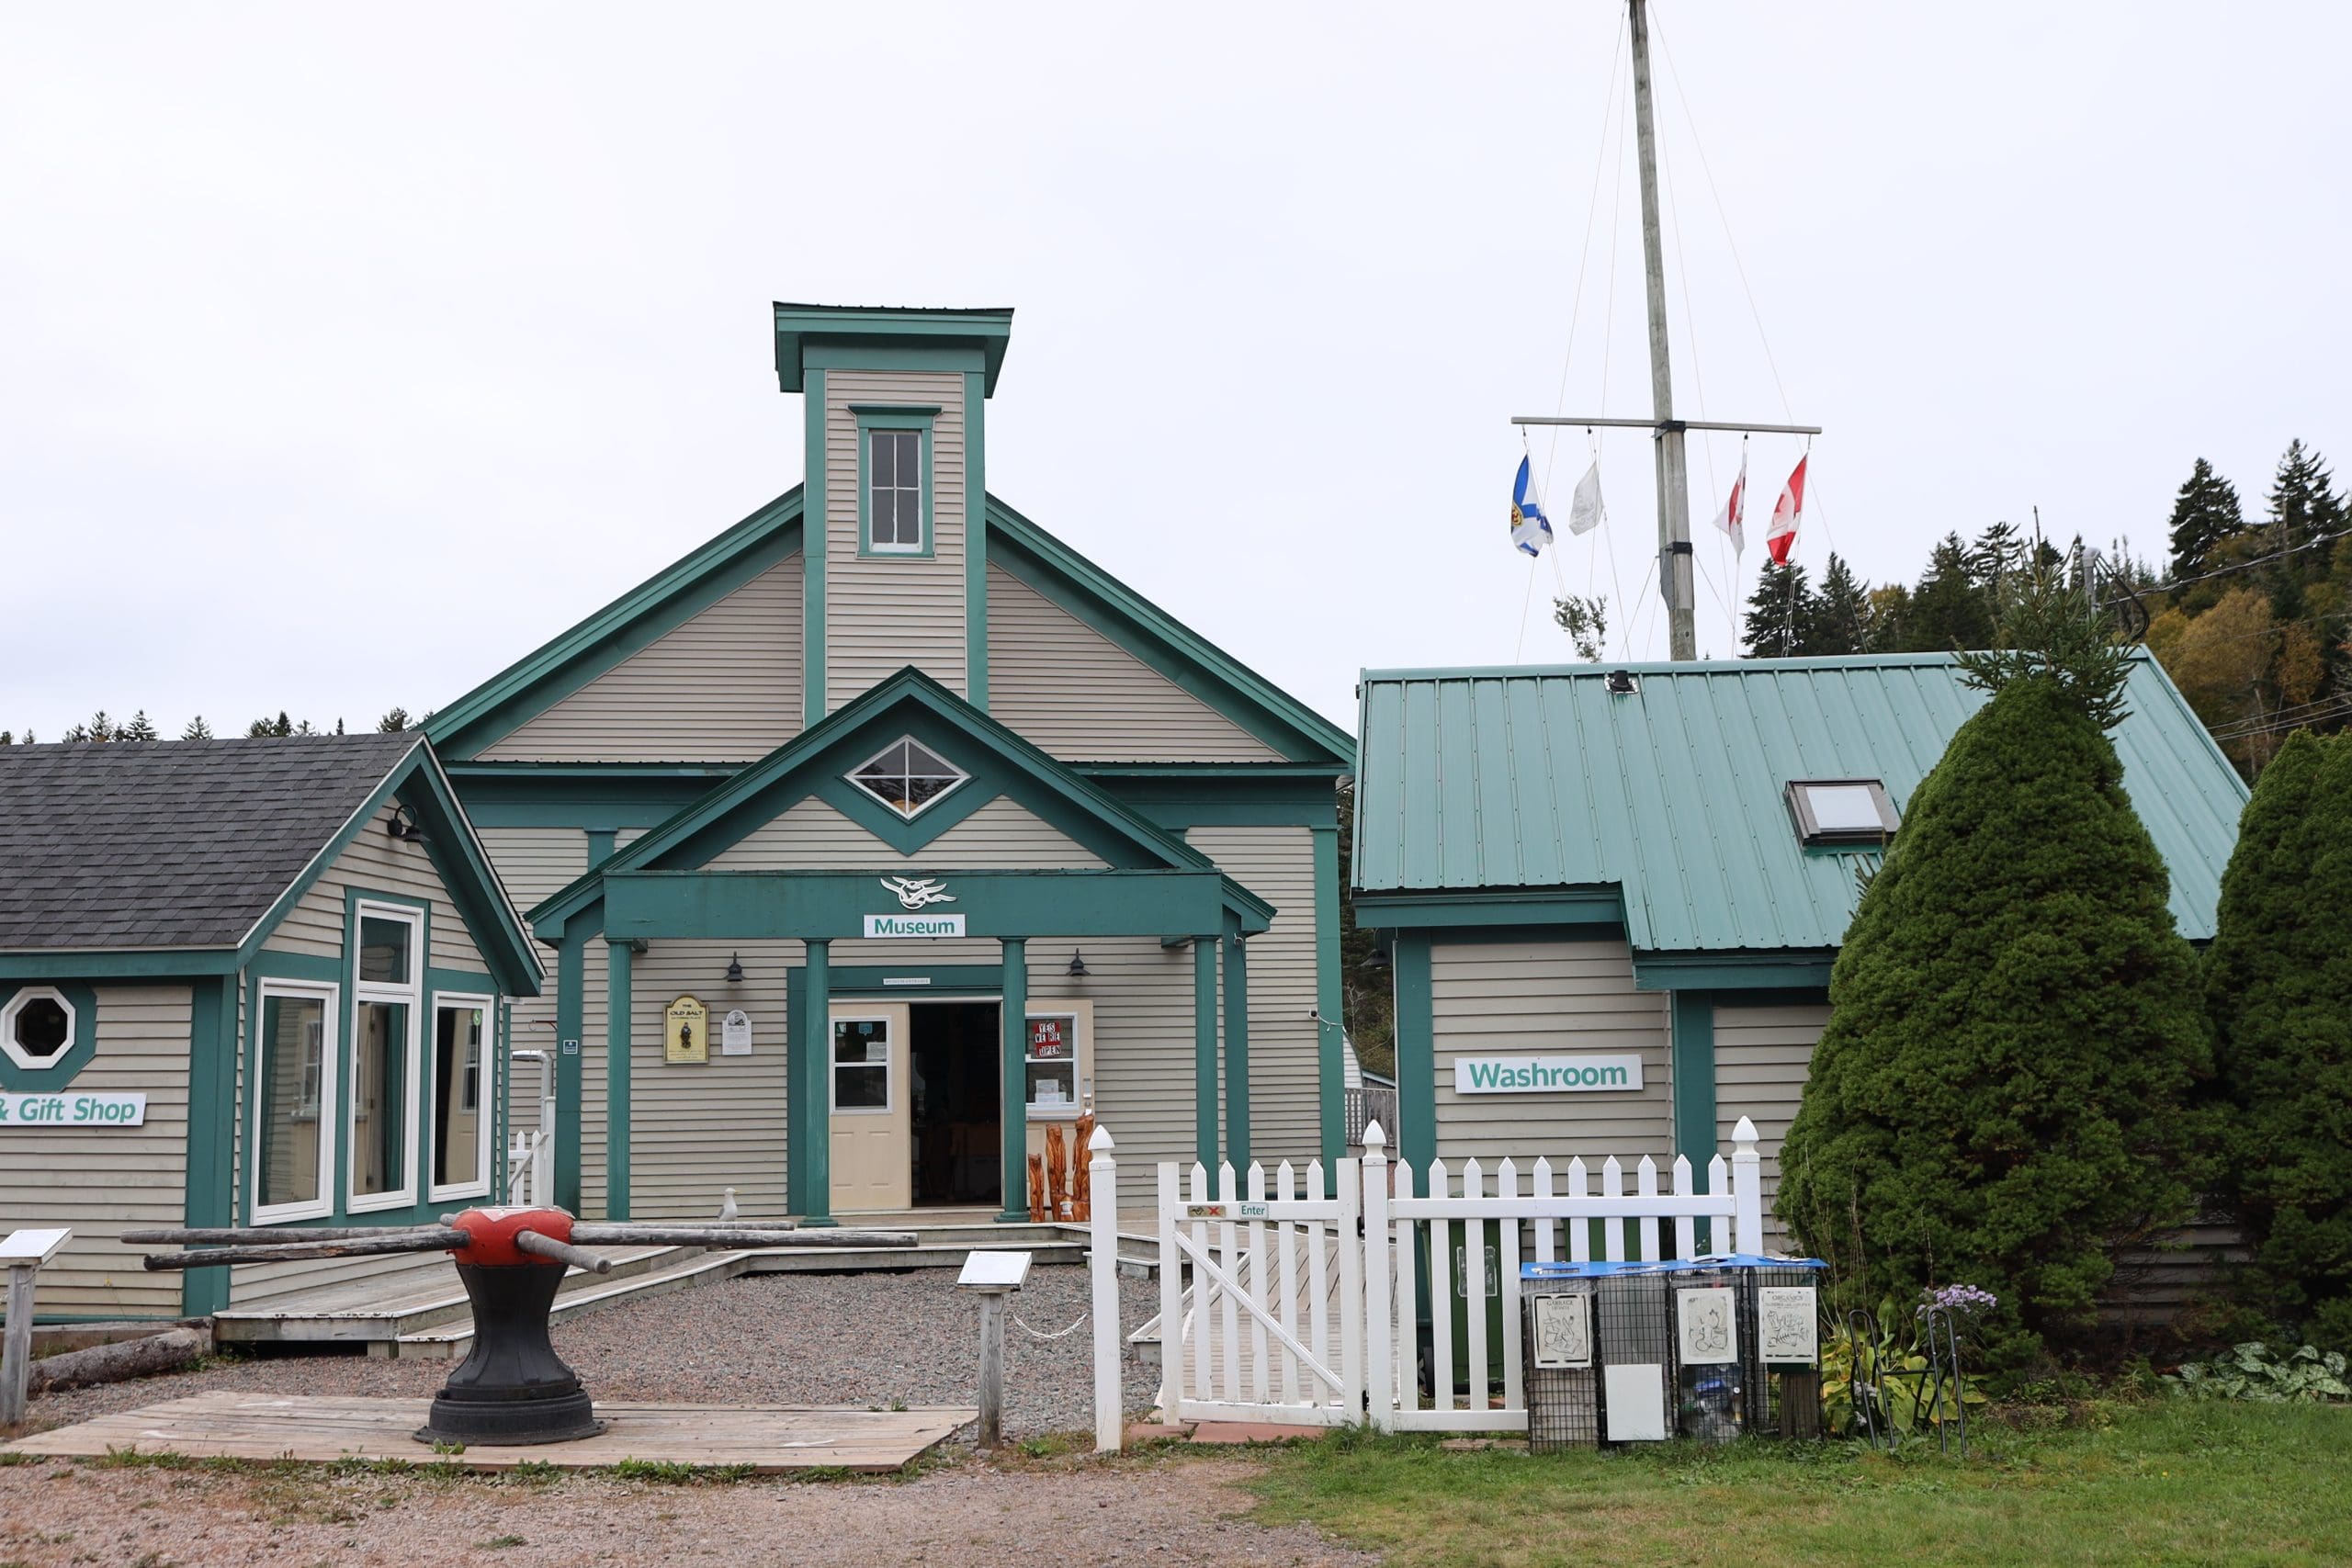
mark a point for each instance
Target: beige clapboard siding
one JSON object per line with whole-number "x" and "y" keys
{"x": 722, "y": 687}
{"x": 698, "y": 1127}
{"x": 1549, "y": 998}
{"x": 1072, "y": 692}
{"x": 884, "y": 612}
{"x": 104, "y": 1181}
{"x": 535, "y": 863}
{"x": 1763, "y": 1057}
{"x": 375, "y": 862}
{"x": 1143, "y": 1042}
{"x": 1278, "y": 865}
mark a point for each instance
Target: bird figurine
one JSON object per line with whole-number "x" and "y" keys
{"x": 727, "y": 1210}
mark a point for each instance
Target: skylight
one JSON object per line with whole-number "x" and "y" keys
{"x": 1841, "y": 811}
{"x": 907, "y": 776}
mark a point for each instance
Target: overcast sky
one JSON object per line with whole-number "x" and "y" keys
{"x": 346, "y": 355}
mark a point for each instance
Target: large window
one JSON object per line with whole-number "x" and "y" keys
{"x": 861, "y": 1063}
{"x": 907, "y": 776}
{"x": 461, "y": 1117}
{"x": 384, "y": 1057}
{"x": 293, "y": 1148}
{"x": 894, "y": 492}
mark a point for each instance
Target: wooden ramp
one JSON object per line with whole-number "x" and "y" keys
{"x": 772, "y": 1439}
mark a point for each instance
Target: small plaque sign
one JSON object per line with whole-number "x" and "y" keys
{"x": 1788, "y": 1326}
{"x": 735, "y": 1034}
{"x": 1048, "y": 1039}
{"x": 1710, "y": 1328}
{"x": 1564, "y": 1331}
{"x": 914, "y": 925}
{"x": 685, "y": 1031}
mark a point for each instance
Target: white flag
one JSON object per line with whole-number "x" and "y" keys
{"x": 1585, "y": 510}
{"x": 1731, "y": 518}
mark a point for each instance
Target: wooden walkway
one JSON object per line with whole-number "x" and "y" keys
{"x": 771, "y": 1438}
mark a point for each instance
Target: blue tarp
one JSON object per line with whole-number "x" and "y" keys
{"x": 1597, "y": 1269}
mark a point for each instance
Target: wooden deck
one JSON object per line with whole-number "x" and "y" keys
{"x": 772, "y": 1439}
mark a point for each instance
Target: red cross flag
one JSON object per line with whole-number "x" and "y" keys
{"x": 1787, "y": 512}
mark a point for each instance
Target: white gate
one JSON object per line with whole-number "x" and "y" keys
{"x": 1269, "y": 1329}
{"x": 1303, "y": 1308}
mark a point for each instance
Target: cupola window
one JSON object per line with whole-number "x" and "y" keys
{"x": 908, "y": 777}
{"x": 894, "y": 492}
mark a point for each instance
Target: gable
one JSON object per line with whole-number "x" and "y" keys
{"x": 812, "y": 835}
{"x": 722, "y": 686}
{"x": 1071, "y": 690}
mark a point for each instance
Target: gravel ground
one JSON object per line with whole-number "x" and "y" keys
{"x": 758, "y": 1340}
{"x": 791, "y": 1338}
{"x": 1169, "y": 1510}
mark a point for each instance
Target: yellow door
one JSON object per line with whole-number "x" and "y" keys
{"x": 873, "y": 1153}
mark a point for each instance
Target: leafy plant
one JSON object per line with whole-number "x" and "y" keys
{"x": 2253, "y": 1371}
{"x": 1886, "y": 1377}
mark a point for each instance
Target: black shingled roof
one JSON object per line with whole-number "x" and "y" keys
{"x": 170, "y": 843}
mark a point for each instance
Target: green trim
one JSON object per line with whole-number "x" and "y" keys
{"x": 58, "y": 1074}
{"x": 869, "y": 352}
{"x": 975, "y": 540}
{"x": 619, "y": 960}
{"x": 813, "y": 550}
{"x": 1013, "y": 1080}
{"x": 1331, "y": 1032}
{"x": 749, "y": 906}
{"x": 600, "y": 845}
{"x": 877, "y": 338}
{"x": 943, "y": 980}
{"x": 1237, "y": 1047}
{"x": 1236, "y": 798}
{"x": 1795, "y": 970}
{"x": 211, "y": 1169}
{"x": 907, "y": 702}
{"x": 1416, "y": 1141}
{"x": 269, "y": 964}
{"x": 1694, "y": 1077}
{"x": 870, "y": 418}
{"x": 570, "y": 990}
{"x": 1144, "y": 629}
{"x": 1533, "y": 907}
{"x": 592, "y": 797}
{"x": 83, "y": 963}
{"x": 1466, "y": 936}
{"x": 1204, "y": 1042}
{"x": 627, "y": 625}
{"x": 811, "y": 1130}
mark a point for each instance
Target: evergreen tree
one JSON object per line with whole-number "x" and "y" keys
{"x": 1947, "y": 610}
{"x": 2204, "y": 513}
{"x": 139, "y": 728}
{"x": 281, "y": 724}
{"x": 1779, "y": 612}
{"x": 1995, "y": 563}
{"x": 2277, "y": 979}
{"x": 1368, "y": 999}
{"x": 2014, "y": 1023}
{"x": 1839, "y": 616}
{"x": 392, "y": 722}
{"x": 197, "y": 730}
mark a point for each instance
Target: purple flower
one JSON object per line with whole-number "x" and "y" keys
{"x": 1966, "y": 1300}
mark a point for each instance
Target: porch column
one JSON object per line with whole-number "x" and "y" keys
{"x": 1204, "y": 1052}
{"x": 618, "y": 959}
{"x": 1237, "y": 1047}
{"x": 571, "y": 987}
{"x": 1014, "y": 1081}
{"x": 812, "y": 1092}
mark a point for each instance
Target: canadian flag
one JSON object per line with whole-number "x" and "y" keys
{"x": 1733, "y": 518}
{"x": 1787, "y": 512}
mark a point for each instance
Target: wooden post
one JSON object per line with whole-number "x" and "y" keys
{"x": 1057, "y": 1155}
{"x": 992, "y": 1370}
{"x": 1110, "y": 1402}
{"x": 1082, "y": 1197}
{"x": 22, "y": 1252}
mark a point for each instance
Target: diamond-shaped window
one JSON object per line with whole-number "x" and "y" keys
{"x": 908, "y": 777}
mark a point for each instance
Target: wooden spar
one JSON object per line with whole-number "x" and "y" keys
{"x": 435, "y": 1240}
{"x": 596, "y": 1233}
{"x": 539, "y": 1245}
{"x": 256, "y": 1235}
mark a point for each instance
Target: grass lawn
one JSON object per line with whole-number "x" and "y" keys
{"x": 2170, "y": 1482}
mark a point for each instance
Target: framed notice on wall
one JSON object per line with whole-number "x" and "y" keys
{"x": 735, "y": 1034}
{"x": 685, "y": 1031}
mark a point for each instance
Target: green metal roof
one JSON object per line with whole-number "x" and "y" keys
{"x": 1539, "y": 778}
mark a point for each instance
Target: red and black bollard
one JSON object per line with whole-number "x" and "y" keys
{"x": 512, "y": 1388}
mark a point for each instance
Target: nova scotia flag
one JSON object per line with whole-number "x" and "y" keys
{"x": 1530, "y": 529}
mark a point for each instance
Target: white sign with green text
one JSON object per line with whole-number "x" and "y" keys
{"x": 70, "y": 1110}
{"x": 1546, "y": 1075}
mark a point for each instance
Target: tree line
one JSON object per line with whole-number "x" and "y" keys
{"x": 99, "y": 729}
{"x": 2248, "y": 616}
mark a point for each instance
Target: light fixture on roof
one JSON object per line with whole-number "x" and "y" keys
{"x": 735, "y": 970}
{"x": 1077, "y": 970}
{"x": 1621, "y": 684}
{"x": 1841, "y": 811}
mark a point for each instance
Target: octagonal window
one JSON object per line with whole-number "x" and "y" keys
{"x": 37, "y": 1027}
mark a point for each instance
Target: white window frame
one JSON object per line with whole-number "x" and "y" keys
{"x": 412, "y": 994}
{"x": 963, "y": 777}
{"x": 464, "y": 1001}
{"x": 1074, "y": 1109}
{"x": 329, "y": 996}
{"x": 872, "y": 547}
{"x": 890, "y": 1066}
{"x": 16, "y": 1006}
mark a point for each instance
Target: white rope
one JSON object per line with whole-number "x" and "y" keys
{"x": 1058, "y": 1334}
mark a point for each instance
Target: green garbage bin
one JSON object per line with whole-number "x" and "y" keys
{"x": 1458, "y": 1277}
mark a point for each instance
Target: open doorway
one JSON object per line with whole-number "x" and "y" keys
{"x": 958, "y": 1118}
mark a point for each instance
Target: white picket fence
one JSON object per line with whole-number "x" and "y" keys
{"x": 1300, "y": 1306}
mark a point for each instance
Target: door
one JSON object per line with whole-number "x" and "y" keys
{"x": 873, "y": 1153}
